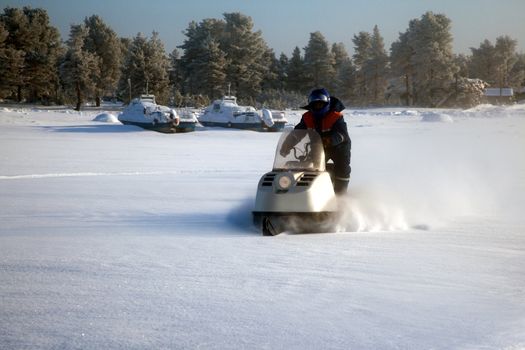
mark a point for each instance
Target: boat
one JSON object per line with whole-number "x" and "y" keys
{"x": 147, "y": 114}
{"x": 228, "y": 114}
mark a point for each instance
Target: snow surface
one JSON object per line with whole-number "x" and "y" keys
{"x": 114, "y": 237}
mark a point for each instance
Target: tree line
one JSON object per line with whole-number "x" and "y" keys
{"x": 220, "y": 54}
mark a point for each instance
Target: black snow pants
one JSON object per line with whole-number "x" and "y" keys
{"x": 340, "y": 155}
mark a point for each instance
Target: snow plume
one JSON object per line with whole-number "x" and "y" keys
{"x": 420, "y": 200}
{"x": 425, "y": 179}
{"x": 368, "y": 210}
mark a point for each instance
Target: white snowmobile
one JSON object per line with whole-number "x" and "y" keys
{"x": 297, "y": 195}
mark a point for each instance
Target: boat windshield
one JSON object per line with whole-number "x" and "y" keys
{"x": 299, "y": 150}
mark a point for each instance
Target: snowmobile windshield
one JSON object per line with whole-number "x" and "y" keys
{"x": 299, "y": 150}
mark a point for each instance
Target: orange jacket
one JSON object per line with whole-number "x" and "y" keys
{"x": 327, "y": 122}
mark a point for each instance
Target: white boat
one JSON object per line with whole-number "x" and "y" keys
{"x": 227, "y": 113}
{"x": 147, "y": 114}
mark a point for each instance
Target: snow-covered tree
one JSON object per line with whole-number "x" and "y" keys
{"x": 362, "y": 55}
{"x": 282, "y": 67}
{"x": 211, "y": 69}
{"x": 423, "y": 57}
{"x": 518, "y": 72}
{"x": 11, "y": 66}
{"x": 175, "y": 77}
{"x": 247, "y": 55}
{"x": 319, "y": 62}
{"x": 401, "y": 65}
{"x": 32, "y": 39}
{"x": 483, "y": 63}
{"x": 506, "y": 58}
{"x": 432, "y": 58}
{"x": 79, "y": 69}
{"x": 104, "y": 43}
{"x": 497, "y": 64}
{"x": 344, "y": 72}
{"x": 296, "y": 79}
{"x": 157, "y": 66}
{"x": 242, "y": 55}
{"x": 376, "y": 68}
{"x": 462, "y": 63}
{"x": 200, "y": 39}
{"x": 145, "y": 69}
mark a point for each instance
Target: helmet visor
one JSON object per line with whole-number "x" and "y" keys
{"x": 318, "y": 105}
{"x": 318, "y": 97}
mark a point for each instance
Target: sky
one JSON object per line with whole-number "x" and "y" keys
{"x": 286, "y": 24}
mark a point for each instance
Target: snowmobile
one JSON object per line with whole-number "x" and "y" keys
{"x": 297, "y": 195}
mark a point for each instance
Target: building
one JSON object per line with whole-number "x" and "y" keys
{"x": 499, "y": 95}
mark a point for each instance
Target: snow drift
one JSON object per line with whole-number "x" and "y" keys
{"x": 106, "y": 118}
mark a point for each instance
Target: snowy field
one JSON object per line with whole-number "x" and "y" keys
{"x": 113, "y": 237}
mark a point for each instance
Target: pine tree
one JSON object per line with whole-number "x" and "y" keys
{"x": 362, "y": 49}
{"x": 376, "y": 68}
{"x": 282, "y": 67}
{"x": 201, "y": 38}
{"x": 296, "y": 79}
{"x": 31, "y": 34}
{"x": 273, "y": 94}
{"x": 340, "y": 57}
{"x": 157, "y": 66}
{"x": 175, "y": 77}
{"x": 506, "y": 58}
{"x": 271, "y": 79}
{"x": 247, "y": 55}
{"x": 401, "y": 53}
{"x": 319, "y": 63}
{"x": 211, "y": 69}
{"x": 423, "y": 55}
{"x": 132, "y": 81}
{"x": 518, "y": 72}
{"x": 462, "y": 62}
{"x": 79, "y": 69}
{"x": 145, "y": 69}
{"x": 242, "y": 54}
{"x": 104, "y": 43}
{"x": 11, "y": 66}
{"x": 345, "y": 89}
{"x": 343, "y": 80}
{"x": 483, "y": 63}
{"x": 432, "y": 59}
{"x": 498, "y": 65}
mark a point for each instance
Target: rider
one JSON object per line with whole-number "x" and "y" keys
{"x": 324, "y": 115}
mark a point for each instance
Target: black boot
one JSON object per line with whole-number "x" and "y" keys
{"x": 340, "y": 185}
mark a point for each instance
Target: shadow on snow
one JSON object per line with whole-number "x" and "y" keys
{"x": 111, "y": 128}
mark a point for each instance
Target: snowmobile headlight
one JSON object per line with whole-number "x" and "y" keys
{"x": 284, "y": 182}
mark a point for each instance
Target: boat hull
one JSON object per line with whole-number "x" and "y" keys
{"x": 245, "y": 126}
{"x": 167, "y": 128}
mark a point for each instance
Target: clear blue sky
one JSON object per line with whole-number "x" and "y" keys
{"x": 286, "y": 24}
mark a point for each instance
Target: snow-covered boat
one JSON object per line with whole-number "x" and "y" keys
{"x": 147, "y": 114}
{"x": 227, "y": 113}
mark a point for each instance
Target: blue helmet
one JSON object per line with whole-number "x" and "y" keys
{"x": 319, "y": 95}
{"x": 316, "y": 96}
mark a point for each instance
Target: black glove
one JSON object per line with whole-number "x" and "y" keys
{"x": 336, "y": 139}
{"x": 333, "y": 140}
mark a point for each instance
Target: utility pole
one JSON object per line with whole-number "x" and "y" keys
{"x": 129, "y": 85}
